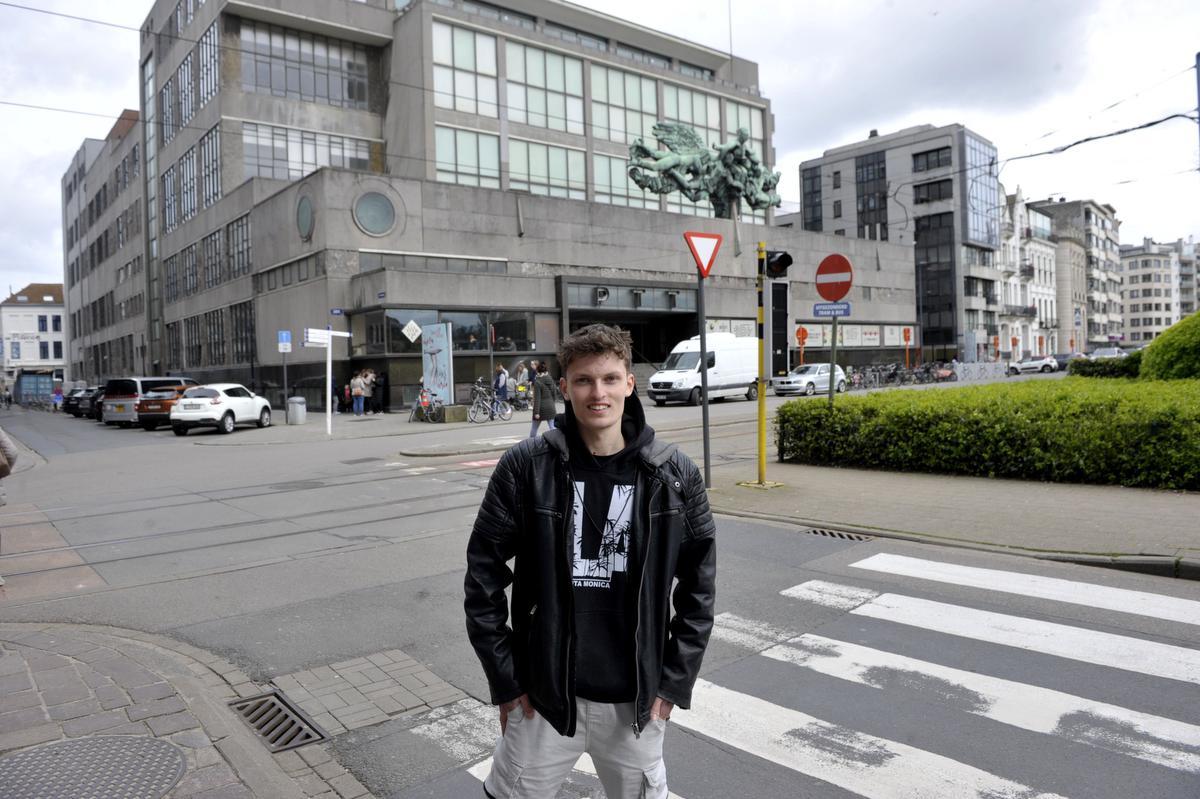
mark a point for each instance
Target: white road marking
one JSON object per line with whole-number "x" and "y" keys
{"x": 464, "y": 730}
{"x": 865, "y": 764}
{"x": 479, "y": 464}
{"x": 832, "y": 595}
{"x": 1141, "y": 603}
{"x": 420, "y": 469}
{"x": 1062, "y": 640}
{"x": 1166, "y": 742}
{"x": 747, "y": 633}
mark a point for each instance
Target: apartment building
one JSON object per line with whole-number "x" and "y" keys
{"x": 1029, "y": 288}
{"x": 1151, "y": 290}
{"x": 1098, "y": 323}
{"x": 376, "y": 169}
{"x": 934, "y": 190}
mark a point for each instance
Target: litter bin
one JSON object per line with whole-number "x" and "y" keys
{"x": 297, "y": 410}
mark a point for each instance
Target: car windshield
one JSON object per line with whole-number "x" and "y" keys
{"x": 681, "y": 361}
{"x": 808, "y": 369}
{"x": 201, "y": 392}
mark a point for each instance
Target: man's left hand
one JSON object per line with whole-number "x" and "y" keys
{"x": 661, "y": 709}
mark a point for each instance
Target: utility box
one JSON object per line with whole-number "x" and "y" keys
{"x": 297, "y": 410}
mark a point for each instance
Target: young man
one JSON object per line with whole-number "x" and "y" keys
{"x": 601, "y": 518}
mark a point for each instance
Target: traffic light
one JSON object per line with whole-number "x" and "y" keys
{"x": 776, "y": 263}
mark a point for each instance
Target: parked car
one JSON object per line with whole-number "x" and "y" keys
{"x": 1034, "y": 363}
{"x": 1064, "y": 359}
{"x": 219, "y": 405}
{"x": 808, "y": 379}
{"x": 121, "y": 396}
{"x": 71, "y": 400}
{"x": 154, "y": 408}
{"x": 91, "y": 404}
{"x": 1108, "y": 352}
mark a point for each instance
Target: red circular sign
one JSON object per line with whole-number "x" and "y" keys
{"x": 801, "y": 336}
{"x": 834, "y": 277}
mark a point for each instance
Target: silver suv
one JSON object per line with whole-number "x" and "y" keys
{"x": 121, "y": 396}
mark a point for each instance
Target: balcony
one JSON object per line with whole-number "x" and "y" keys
{"x": 1026, "y": 271}
{"x": 992, "y": 330}
{"x": 1020, "y": 310}
{"x": 1008, "y": 268}
{"x": 1049, "y": 324}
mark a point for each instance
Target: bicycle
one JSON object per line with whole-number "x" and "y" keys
{"x": 427, "y": 408}
{"x": 484, "y": 405}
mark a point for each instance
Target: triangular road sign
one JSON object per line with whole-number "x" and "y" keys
{"x": 704, "y": 248}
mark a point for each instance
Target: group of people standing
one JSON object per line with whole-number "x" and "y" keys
{"x": 541, "y": 389}
{"x": 365, "y": 392}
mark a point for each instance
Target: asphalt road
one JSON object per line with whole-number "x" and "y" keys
{"x": 838, "y": 668}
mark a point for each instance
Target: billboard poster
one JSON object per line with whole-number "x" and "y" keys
{"x": 849, "y": 336}
{"x": 437, "y": 363}
{"x": 892, "y": 336}
{"x": 743, "y": 328}
{"x": 870, "y": 336}
{"x": 818, "y": 335}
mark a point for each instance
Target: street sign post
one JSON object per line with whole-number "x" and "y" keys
{"x": 704, "y": 247}
{"x": 317, "y": 337}
{"x": 285, "y": 346}
{"x": 907, "y": 341}
{"x": 801, "y": 340}
{"x": 835, "y": 275}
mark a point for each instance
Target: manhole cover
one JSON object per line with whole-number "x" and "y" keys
{"x": 93, "y": 768}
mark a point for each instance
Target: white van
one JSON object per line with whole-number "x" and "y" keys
{"x": 732, "y": 370}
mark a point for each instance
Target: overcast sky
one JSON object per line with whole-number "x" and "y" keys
{"x": 1028, "y": 74}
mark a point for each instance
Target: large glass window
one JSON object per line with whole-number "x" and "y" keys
{"x": 614, "y": 187}
{"x": 871, "y": 195}
{"x": 982, "y": 189}
{"x": 169, "y": 199}
{"x": 546, "y": 169}
{"x": 931, "y": 159}
{"x": 210, "y": 166}
{"x": 740, "y": 115}
{"x": 241, "y": 323}
{"x": 703, "y": 113}
{"x": 169, "y": 120}
{"x": 303, "y": 66}
{"x": 237, "y": 246}
{"x": 188, "y": 266}
{"x": 288, "y": 154}
{"x": 810, "y": 193}
{"x": 214, "y": 324}
{"x": 624, "y": 105}
{"x": 464, "y": 70}
{"x": 210, "y": 63}
{"x": 171, "y": 278}
{"x": 214, "y": 262}
{"x": 468, "y": 157}
{"x": 468, "y": 329}
{"x": 397, "y": 319}
{"x": 936, "y": 288}
{"x": 544, "y": 89}
{"x": 187, "y": 97}
{"x": 187, "y": 185}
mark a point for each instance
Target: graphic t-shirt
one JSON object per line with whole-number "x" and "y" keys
{"x": 604, "y": 608}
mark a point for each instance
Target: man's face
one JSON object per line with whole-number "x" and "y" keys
{"x": 596, "y": 387}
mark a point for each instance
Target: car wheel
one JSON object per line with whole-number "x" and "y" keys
{"x": 264, "y": 418}
{"x": 227, "y": 423}
{"x": 149, "y": 427}
{"x": 179, "y": 430}
{"x": 953, "y": 377}
{"x": 694, "y": 397}
{"x": 810, "y": 389}
{"x": 1013, "y": 372}
{"x": 752, "y": 392}
{"x": 841, "y": 387}
{"x": 660, "y": 403}
{"x": 1047, "y": 369}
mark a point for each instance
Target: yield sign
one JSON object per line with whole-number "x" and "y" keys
{"x": 834, "y": 277}
{"x": 704, "y": 248}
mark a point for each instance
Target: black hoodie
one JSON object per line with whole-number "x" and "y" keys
{"x": 603, "y": 488}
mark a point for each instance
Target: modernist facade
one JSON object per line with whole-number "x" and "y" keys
{"x": 104, "y": 255}
{"x": 32, "y": 330}
{"x": 363, "y": 167}
{"x": 1151, "y": 292}
{"x": 1099, "y": 322}
{"x": 933, "y": 189}
{"x": 1029, "y": 289}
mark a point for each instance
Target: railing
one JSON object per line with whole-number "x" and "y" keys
{"x": 1027, "y": 271}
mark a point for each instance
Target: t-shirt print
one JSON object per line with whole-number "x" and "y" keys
{"x": 601, "y": 554}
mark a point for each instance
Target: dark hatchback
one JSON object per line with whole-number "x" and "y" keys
{"x": 71, "y": 401}
{"x": 91, "y": 404}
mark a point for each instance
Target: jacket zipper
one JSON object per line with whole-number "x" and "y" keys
{"x": 637, "y": 609}
{"x": 568, "y": 519}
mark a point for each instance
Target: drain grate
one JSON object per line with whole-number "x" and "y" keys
{"x": 278, "y": 722}
{"x": 837, "y": 534}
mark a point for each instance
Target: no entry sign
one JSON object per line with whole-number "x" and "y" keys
{"x": 834, "y": 277}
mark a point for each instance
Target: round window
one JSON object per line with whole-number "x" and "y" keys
{"x": 305, "y": 218}
{"x": 374, "y": 213}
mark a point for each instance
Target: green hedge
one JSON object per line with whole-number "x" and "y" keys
{"x": 1129, "y": 366}
{"x": 1175, "y": 355}
{"x": 1131, "y": 433}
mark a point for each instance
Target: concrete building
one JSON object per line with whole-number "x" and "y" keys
{"x": 31, "y": 330}
{"x": 364, "y": 167}
{"x": 104, "y": 256}
{"x": 1189, "y": 277}
{"x": 1098, "y": 323}
{"x": 1150, "y": 291}
{"x": 1029, "y": 289}
{"x": 933, "y": 189}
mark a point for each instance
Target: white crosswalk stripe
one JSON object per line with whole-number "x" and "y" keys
{"x": 865, "y": 764}
{"x": 1142, "y": 603}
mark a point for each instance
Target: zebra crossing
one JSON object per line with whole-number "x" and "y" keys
{"x": 1006, "y": 704}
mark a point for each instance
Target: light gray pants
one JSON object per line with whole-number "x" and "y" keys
{"x": 532, "y": 759}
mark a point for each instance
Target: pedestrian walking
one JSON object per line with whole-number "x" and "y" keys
{"x": 600, "y": 649}
{"x": 368, "y": 376}
{"x": 357, "y": 392}
{"x": 56, "y": 399}
{"x": 7, "y": 398}
{"x": 545, "y": 395}
{"x": 499, "y": 389}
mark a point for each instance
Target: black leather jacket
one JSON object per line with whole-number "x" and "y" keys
{"x": 526, "y": 514}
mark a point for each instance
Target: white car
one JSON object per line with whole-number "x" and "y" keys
{"x": 219, "y": 405}
{"x": 1108, "y": 352}
{"x": 808, "y": 379}
{"x": 1034, "y": 363}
